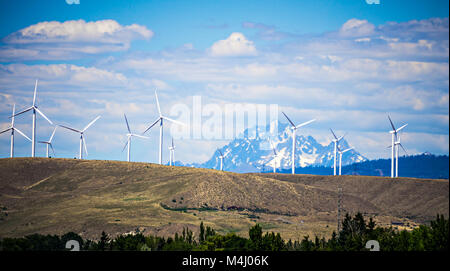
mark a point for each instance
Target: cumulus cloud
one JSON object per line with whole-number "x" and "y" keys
{"x": 356, "y": 28}
{"x": 235, "y": 45}
{"x": 62, "y": 40}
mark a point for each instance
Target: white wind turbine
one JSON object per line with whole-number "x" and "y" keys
{"x": 340, "y": 156}
{"x": 394, "y": 133}
{"x": 13, "y": 129}
{"x": 172, "y": 154}
{"x": 160, "y": 119}
{"x": 35, "y": 109}
{"x": 49, "y": 142}
{"x": 275, "y": 155}
{"x": 221, "y": 156}
{"x": 336, "y": 143}
{"x": 82, "y": 142}
{"x": 129, "y": 136}
{"x": 294, "y": 129}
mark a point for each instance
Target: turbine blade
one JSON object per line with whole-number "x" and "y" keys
{"x": 75, "y": 130}
{"x": 349, "y": 149}
{"x": 334, "y": 134}
{"x": 174, "y": 121}
{"x": 126, "y": 144}
{"x": 273, "y": 148}
{"x": 293, "y": 125}
{"x": 145, "y": 137}
{"x": 128, "y": 126}
{"x": 403, "y": 148}
{"x": 4, "y": 131}
{"x": 35, "y": 90}
{"x": 220, "y": 152}
{"x": 51, "y": 146}
{"x": 305, "y": 123}
{"x": 157, "y": 104}
{"x": 53, "y": 134}
{"x": 42, "y": 114}
{"x": 340, "y": 138}
{"x": 156, "y": 121}
{"x": 92, "y": 122}
{"x": 12, "y": 116}
{"x": 21, "y": 112}
{"x": 20, "y": 132}
{"x": 393, "y": 128}
{"x": 402, "y": 127}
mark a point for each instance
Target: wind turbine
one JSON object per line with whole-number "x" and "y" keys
{"x": 129, "y": 136}
{"x": 394, "y": 133}
{"x": 336, "y": 142}
{"x": 275, "y": 155}
{"x": 172, "y": 154}
{"x": 82, "y": 136}
{"x": 13, "y": 129}
{"x": 49, "y": 142}
{"x": 160, "y": 119}
{"x": 34, "y": 109}
{"x": 294, "y": 129}
{"x": 221, "y": 156}
{"x": 340, "y": 156}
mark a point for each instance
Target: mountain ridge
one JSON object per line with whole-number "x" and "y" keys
{"x": 246, "y": 155}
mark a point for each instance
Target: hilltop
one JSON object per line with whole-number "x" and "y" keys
{"x": 39, "y": 195}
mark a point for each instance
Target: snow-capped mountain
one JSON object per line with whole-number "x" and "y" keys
{"x": 255, "y": 155}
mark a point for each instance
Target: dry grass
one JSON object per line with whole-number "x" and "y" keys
{"x": 59, "y": 195}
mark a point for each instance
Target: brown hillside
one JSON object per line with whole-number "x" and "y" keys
{"x": 60, "y": 195}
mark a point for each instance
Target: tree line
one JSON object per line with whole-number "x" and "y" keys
{"x": 355, "y": 233}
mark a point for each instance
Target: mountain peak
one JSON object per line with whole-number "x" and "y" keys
{"x": 255, "y": 154}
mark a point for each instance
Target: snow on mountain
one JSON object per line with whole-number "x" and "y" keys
{"x": 255, "y": 155}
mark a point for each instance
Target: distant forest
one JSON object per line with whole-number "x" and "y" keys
{"x": 355, "y": 234}
{"x": 425, "y": 166}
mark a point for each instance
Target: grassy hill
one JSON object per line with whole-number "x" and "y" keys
{"x": 39, "y": 195}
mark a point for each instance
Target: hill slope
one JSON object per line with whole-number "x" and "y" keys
{"x": 60, "y": 195}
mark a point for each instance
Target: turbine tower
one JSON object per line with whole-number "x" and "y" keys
{"x": 397, "y": 144}
{"x": 275, "y": 155}
{"x": 34, "y": 109}
{"x": 160, "y": 119}
{"x": 336, "y": 142}
{"x": 129, "y": 136}
{"x": 294, "y": 129}
{"x": 49, "y": 142}
{"x": 13, "y": 129}
{"x": 340, "y": 156}
{"x": 82, "y": 141}
{"x": 172, "y": 154}
{"x": 394, "y": 133}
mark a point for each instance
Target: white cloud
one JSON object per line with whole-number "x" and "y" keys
{"x": 104, "y": 31}
{"x": 70, "y": 39}
{"x": 356, "y": 28}
{"x": 235, "y": 45}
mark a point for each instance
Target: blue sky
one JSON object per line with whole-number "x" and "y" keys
{"x": 346, "y": 63}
